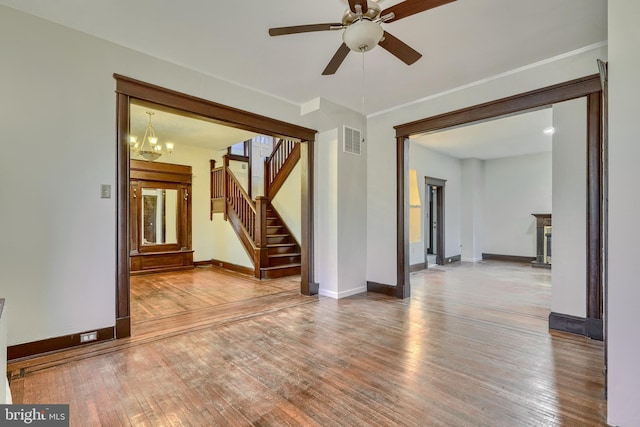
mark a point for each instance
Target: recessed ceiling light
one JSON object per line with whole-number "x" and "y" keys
{"x": 549, "y": 131}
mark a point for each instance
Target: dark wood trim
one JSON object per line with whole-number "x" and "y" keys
{"x": 163, "y": 172}
{"x": 452, "y": 259}
{"x": 505, "y": 106}
{"x": 219, "y": 113}
{"x": 417, "y": 267}
{"x": 567, "y": 323}
{"x": 508, "y": 258}
{"x": 230, "y": 266}
{"x": 206, "y": 263}
{"x": 58, "y": 343}
{"x": 591, "y": 328}
{"x": 238, "y": 158}
{"x": 589, "y": 86}
{"x": 440, "y": 219}
{"x": 429, "y": 180}
{"x": 123, "y": 328}
{"x": 403, "y": 287}
{"x": 594, "y": 205}
{"x": 381, "y": 288}
{"x": 284, "y": 172}
{"x": 308, "y": 286}
{"x": 604, "y": 79}
{"x": 127, "y": 89}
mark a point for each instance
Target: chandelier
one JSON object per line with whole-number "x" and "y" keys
{"x": 149, "y": 148}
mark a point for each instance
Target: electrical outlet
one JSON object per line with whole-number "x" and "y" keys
{"x": 89, "y": 336}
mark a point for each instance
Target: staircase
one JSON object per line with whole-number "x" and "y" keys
{"x": 264, "y": 235}
{"x": 283, "y": 252}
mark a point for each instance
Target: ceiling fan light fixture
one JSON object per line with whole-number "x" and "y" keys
{"x": 362, "y": 35}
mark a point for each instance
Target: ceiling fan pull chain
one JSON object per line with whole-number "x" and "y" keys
{"x": 364, "y": 118}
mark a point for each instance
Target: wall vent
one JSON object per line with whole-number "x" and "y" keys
{"x": 352, "y": 140}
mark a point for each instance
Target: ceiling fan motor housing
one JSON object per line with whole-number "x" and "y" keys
{"x": 362, "y": 35}
{"x": 373, "y": 12}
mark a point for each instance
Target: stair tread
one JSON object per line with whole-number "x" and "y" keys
{"x": 280, "y": 245}
{"x": 284, "y": 255}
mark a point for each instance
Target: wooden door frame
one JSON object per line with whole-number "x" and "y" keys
{"x": 440, "y": 240}
{"x": 589, "y": 87}
{"x": 128, "y": 89}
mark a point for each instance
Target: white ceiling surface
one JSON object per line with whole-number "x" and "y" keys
{"x": 183, "y": 131}
{"x": 461, "y": 42}
{"x": 505, "y": 137}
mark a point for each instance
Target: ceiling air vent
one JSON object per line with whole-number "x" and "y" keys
{"x": 352, "y": 140}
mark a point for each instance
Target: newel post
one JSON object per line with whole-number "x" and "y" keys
{"x": 261, "y": 258}
{"x": 225, "y": 185}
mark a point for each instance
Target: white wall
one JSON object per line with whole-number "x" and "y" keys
{"x": 472, "y": 212}
{"x": 326, "y": 212}
{"x": 515, "y": 187}
{"x": 623, "y": 332}
{"x": 352, "y": 220}
{"x": 288, "y": 202}
{"x": 568, "y": 242}
{"x": 381, "y": 182}
{"x": 341, "y": 237}
{"x": 58, "y": 110}
{"x": 435, "y": 165}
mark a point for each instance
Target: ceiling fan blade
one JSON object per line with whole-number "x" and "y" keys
{"x": 411, "y": 7}
{"x": 337, "y": 59}
{"x": 399, "y": 49}
{"x": 362, "y": 3}
{"x": 281, "y": 31}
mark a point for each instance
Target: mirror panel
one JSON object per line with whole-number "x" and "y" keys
{"x": 159, "y": 216}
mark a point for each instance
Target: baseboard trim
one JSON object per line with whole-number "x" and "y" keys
{"x": 34, "y": 348}
{"x": 343, "y": 294}
{"x": 587, "y": 327}
{"x": 381, "y": 288}
{"x": 510, "y": 258}
{"x": 417, "y": 267}
{"x": 203, "y": 263}
{"x": 123, "y": 327}
{"x": 450, "y": 259}
{"x": 233, "y": 267}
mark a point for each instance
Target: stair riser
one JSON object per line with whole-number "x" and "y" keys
{"x": 273, "y": 274}
{"x": 283, "y": 250}
{"x": 274, "y": 240}
{"x": 275, "y": 230}
{"x": 274, "y": 262}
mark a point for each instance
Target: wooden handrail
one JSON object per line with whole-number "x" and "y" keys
{"x": 274, "y": 163}
{"x": 241, "y": 203}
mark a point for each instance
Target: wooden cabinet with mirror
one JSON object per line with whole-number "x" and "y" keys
{"x": 160, "y": 217}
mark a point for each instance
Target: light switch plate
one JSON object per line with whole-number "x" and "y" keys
{"x": 105, "y": 191}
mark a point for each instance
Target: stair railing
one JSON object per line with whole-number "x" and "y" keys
{"x": 251, "y": 218}
{"x": 282, "y": 159}
{"x": 242, "y": 205}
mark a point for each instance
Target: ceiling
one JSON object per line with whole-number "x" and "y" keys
{"x": 461, "y": 42}
{"x": 515, "y": 135}
{"x": 182, "y": 130}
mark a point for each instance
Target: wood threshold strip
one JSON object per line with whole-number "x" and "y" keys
{"x": 165, "y": 327}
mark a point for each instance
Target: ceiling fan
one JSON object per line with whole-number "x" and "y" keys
{"x": 363, "y": 30}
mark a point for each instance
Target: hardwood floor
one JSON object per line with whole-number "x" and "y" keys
{"x": 469, "y": 348}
